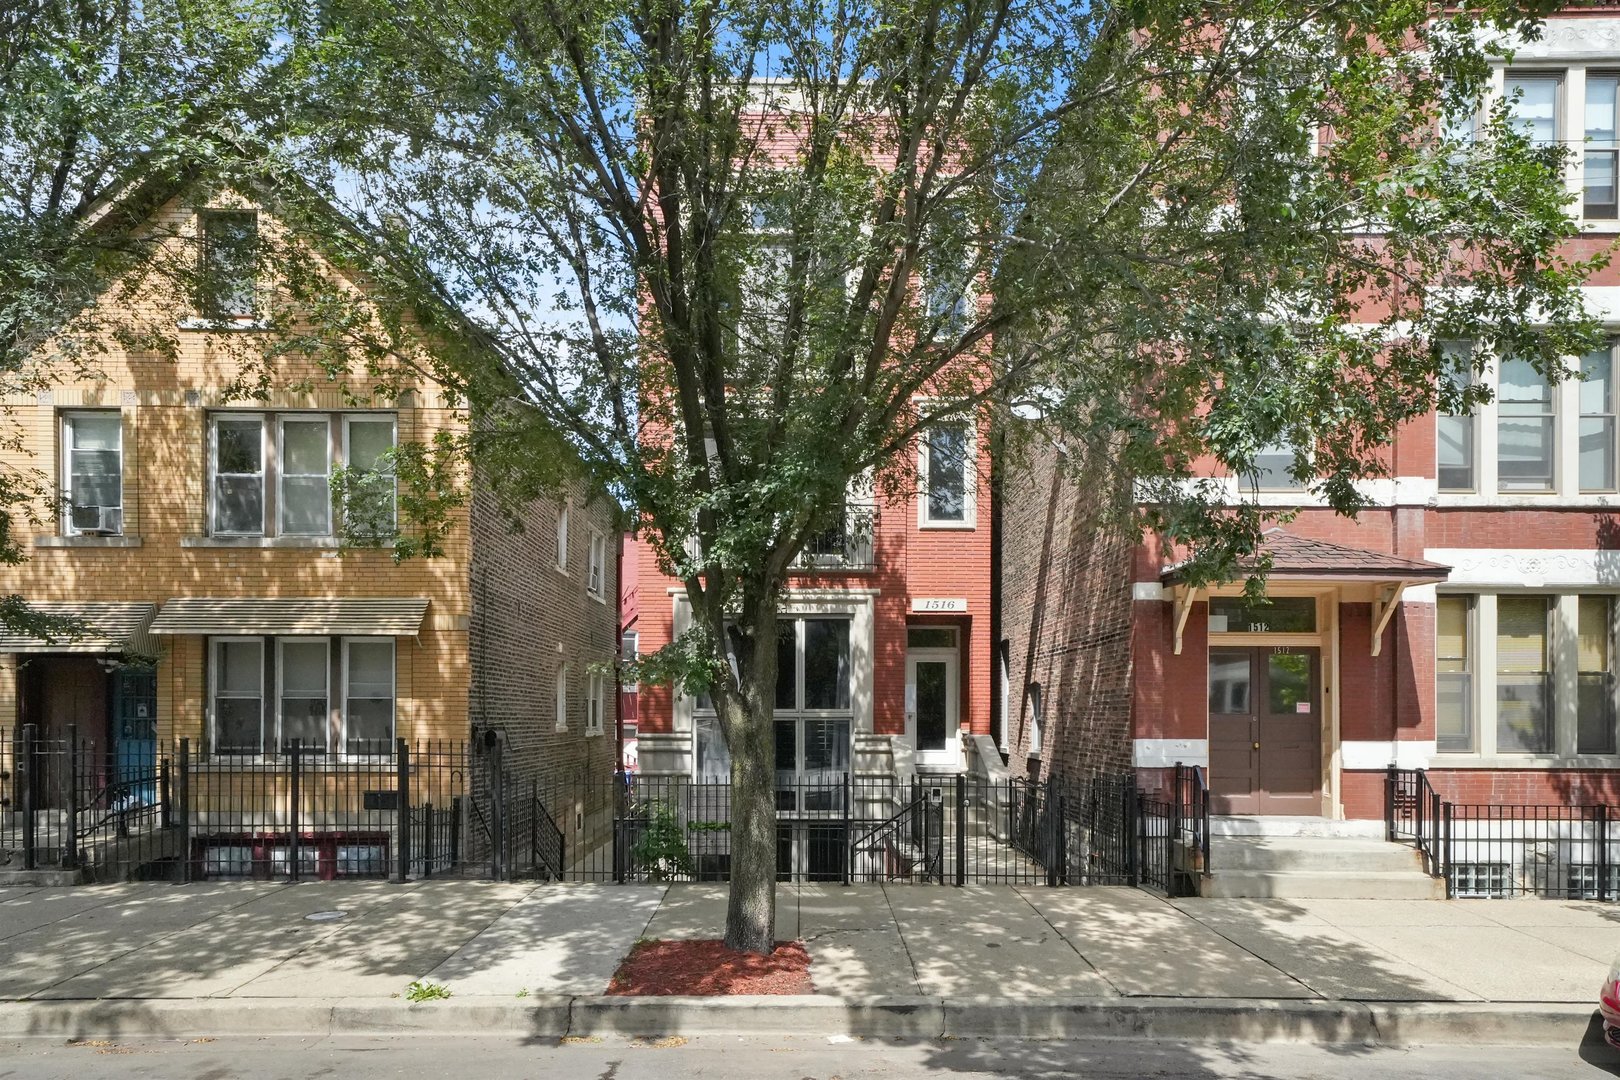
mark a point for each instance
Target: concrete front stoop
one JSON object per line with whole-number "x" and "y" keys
{"x": 1291, "y": 863}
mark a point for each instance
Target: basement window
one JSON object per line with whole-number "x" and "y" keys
{"x": 1480, "y": 880}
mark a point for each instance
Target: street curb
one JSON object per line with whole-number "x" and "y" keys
{"x": 558, "y": 1016}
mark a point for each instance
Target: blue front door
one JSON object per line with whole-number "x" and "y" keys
{"x": 135, "y": 737}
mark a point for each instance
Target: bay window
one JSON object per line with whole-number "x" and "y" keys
{"x": 300, "y": 673}
{"x": 1528, "y": 674}
{"x": 272, "y": 474}
{"x": 93, "y": 472}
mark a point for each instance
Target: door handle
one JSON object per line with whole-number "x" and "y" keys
{"x": 1257, "y": 746}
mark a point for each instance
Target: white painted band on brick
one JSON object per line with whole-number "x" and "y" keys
{"x": 1378, "y": 753}
{"x": 1393, "y": 491}
{"x": 1163, "y": 753}
{"x": 1147, "y": 590}
{"x": 1418, "y": 594}
{"x": 1529, "y": 568}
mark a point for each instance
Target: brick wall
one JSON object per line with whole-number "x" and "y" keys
{"x": 1066, "y": 615}
{"x": 1364, "y": 790}
{"x": 529, "y": 619}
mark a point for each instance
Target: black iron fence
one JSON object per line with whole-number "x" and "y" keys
{"x": 1492, "y": 850}
{"x": 431, "y": 809}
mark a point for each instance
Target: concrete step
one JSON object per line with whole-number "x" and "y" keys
{"x": 1273, "y": 825}
{"x": 1280, "y": 853}
{"x": 1322, "y": 884}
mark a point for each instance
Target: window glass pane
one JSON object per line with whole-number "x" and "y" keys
{"x": 787, "y": 746}
{"x": 369, "y": 444}
{"x": 930, "y": 637}
{"x": 369, "y": 696}
{"x": 1600, "y": 101}
{"x": 1288, "y": 682}
{"x": 236, "y": 725}
{"x": 1455, "y": 450}
{"x": 1596, "y": 387}
{"x": 826, "y": 746}
{"x": 932, "y": 704}
{"x": 1522, "y": 690}
{"x": 303, "y": 693}
{"x": 95, "y": 468}
{"x": 241, "y": 667}
{"x": 947, "y": 472}
{"x": 1595, "y": 728}
{"x": 713, "y": 759}
{"x": 1598, "y": 182}
{"x": 1229, "y": 679}
{"x": 1524, "y": 428}
{"x": 306, "y": 496}
{"x": 1535, "y": 110}
{"x": 230, "y": 266}
{"x": 787, "y": 663}
{"x": 239, "y": 476}
{"x": 1272, "y": 468}
{"x": 1453, "y": 683}
{"x": 1283, "y": 615}
{"x": 1451, "y": 651}
{"x": 826, "y": 663}
{"x": 1596, "y": 434}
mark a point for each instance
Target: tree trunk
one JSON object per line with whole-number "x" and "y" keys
{"x": 751, "y": 909}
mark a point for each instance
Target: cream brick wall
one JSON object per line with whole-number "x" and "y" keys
{"x": 165, "y": 404}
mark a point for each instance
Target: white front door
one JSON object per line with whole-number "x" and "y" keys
{"x": 931, "y": 706}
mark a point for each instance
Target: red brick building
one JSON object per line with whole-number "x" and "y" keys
{"x": 1464, "y": 624}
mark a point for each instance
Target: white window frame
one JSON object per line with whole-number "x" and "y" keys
{"x": 970, "y": 477}
{"x": 282, "y": 420}
{"x": 562, "y": 698}
{"x": 595, "y": 703}
{"x": 630, "y": 651}
{"x": 562, "y": 539}
{"x": 349, "y": 420}
{"x": 214, "y": 669}
{"x": 1563, "y": 661}
{"x": 596, "y": 573}
{"x": 1036, "y": 696}
{"x": 68, "y": 421}
{"x": 282, "y": 641}
{"x": 265, "y": 503}
{"x": 393, "y": 691}
{"x": 1277, "y": 448}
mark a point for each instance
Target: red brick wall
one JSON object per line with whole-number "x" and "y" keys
{"x": 1364, "y": 790}
{"x": 1066, "y": 615}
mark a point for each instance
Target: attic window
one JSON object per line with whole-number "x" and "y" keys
{"x": 229, "y": 270}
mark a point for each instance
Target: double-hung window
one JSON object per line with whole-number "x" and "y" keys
{"x": 1600, "y": 194}
{"x": 948, "y": 474}
{"x": 333, "y": 695}
{"x": 1526, "y": 421}
{"x": 1596, "y": 435}
{"x": 1533, "y": 105}
{"x": 93, "y": 472}
{"x": 272, "y": 474}
{"x": 595, "y": 694}
{"x": 1523, "y": 676}
{"x": 596, "y": 578}
{"x": 562, "y": 698}
{"x": 229, "y": 270}
{"x": 1454, "y": 665}
{"x": 1595, "y": 715}
{"x": 1454, "y": 432}
{"x": 1274, "y": 468}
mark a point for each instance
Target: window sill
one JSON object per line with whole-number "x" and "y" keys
{"x": 215, "y": 326}
{"x": 958, "y": 526}
{"x": 125, "y": 541}
{"x": 1518, "y": 500}
{"x": 320, "y": 543}
{"x": 1442, "y": 761}
{"x": 598, "y": 597}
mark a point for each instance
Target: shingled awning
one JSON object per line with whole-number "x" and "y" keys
{"x": 109, "y": 628}
{"x": 1297, "y": 558}
{"x": 371, "y": 616}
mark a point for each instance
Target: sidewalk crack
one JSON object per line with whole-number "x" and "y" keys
{"x": 916, "y": 976}
{"x": 1039, "y": 914}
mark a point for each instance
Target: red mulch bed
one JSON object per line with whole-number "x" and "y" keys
{"x": 709, "y": 969}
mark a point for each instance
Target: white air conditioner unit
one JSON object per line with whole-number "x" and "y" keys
{"x": 102, "y": 520}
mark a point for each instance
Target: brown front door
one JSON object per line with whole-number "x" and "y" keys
{"x": 1265, "y": 730}
{"x": 60, "y": 695}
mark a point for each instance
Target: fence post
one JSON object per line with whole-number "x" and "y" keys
{"x": 455, "y": 832}
{"x": 26, "y": 774}
{"x": 427, "y": 842}
{"x": 70, "y": 848}
{"x": 165, "y": 811}
{"x": 534, "y": 827}
{"x": 1434, "y": 832}
{"x": 849, "y": 836}
{"x": 1445, "y": 848}
{"x": 402, "y": 795}
{"x": 1389, "y": 803}
{"x": 1172, "y": 835}
{"x": 618, "y": 827}
{"x": 1133, "y": 839}
{"x": 961, "y": 829}
{"x": 1054, "y": 831}
{"x": 294, "y": 760}
{"x": 185, "y": 810}
{"x": 1602, "y": 851}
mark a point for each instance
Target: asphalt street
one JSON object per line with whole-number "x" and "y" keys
{"x": 728, "y": 1058}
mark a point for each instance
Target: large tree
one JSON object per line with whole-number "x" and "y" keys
{"x": 741, "y": 254}
{"x": 105, "y": 105}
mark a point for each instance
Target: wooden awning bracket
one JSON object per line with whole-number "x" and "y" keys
{"x": 1185, "y": 598}
{"x": 1383, "y": 607}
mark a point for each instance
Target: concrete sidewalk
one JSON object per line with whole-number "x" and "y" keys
{"x": 507, "y": 952}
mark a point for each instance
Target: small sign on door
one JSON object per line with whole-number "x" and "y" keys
{"x": 1303, "y": 706}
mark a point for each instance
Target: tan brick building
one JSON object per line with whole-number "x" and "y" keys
{"x": 197, "y": 535}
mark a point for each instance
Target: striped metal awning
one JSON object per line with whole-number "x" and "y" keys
{"x": 109, "y": 628}
{"x": 373, "y": 616}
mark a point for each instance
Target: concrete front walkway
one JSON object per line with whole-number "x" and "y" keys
{"x": 500, "y": 941}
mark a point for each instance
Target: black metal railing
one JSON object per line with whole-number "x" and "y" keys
{"x": 1488, "y": 850}
{"x": 848, "y": 545}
